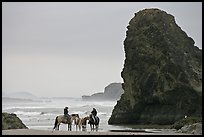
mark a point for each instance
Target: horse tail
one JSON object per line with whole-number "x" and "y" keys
{"x": 56, "y": 121}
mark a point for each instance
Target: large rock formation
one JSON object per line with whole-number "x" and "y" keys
{"x": 162, "y": 72}
{"x": 112, "y": 92}
{"x": 11, "y": 121}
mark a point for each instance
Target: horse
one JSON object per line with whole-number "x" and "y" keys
{"x": 93, "y": 123}
{"x": 83, "y": 122}
{"x": 74, "y": 118}
{"x": 62, "y": 119}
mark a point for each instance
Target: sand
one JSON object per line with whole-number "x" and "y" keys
{"x": 49, "y": 132}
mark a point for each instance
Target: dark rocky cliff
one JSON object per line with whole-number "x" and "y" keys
{"x": 162, "y": 72}
{"x": 112, "y": 92}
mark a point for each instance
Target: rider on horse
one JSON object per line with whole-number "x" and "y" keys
{"x": 66, "y": 112}
{"x": 94, "y": 113}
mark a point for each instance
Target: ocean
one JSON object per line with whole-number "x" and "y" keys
{"x": 41, "y": 113}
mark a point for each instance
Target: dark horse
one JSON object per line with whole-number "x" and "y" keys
{"x": 62, "y": 119}
{"x": 92, "y": 123}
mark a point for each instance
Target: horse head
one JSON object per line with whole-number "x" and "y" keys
{"x": 87, "y": 117}
{"x": 75, "y": 115}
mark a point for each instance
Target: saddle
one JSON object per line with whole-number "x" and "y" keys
{"x": 66, "y": 117}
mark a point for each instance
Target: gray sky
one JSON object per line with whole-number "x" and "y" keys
{"x": 75, "y": 49}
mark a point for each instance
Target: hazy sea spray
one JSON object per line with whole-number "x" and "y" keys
{"x": 42, "y": 114}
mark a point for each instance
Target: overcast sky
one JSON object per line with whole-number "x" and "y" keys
{"x": 75, "y": 49}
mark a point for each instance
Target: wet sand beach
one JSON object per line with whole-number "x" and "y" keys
{"x": 49, "y": 132}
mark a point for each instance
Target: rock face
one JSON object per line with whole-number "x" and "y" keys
{"x": 195, "y": 129}
{"x": 11, "y": 121}
{"x": 162, "y": 72}
{"x": 111, "y": 92}
{"x": 186, "y": 121}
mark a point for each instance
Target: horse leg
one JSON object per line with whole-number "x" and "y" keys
{"x": 76, "y": 127}
{"x": 69, "y": 127}
{"x": 96, "y": 127}
{"x": 79, "y": 127}
{"x": 91, "y": 127}
{"x": 58, "y": 126}
{"x": 79, "y": 124}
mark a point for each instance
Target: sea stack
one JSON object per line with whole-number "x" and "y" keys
{"x": 162, "y": 72}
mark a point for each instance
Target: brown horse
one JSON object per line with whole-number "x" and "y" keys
{"x": 84, "y": 122}
{"x": 65, "y": 120}
{"x": 77, "y": 123}
{"x": 81, "y": 122}
{"x": 74, "y": 117}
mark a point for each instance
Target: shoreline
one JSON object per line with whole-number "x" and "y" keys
{"x": 115, "y": 132}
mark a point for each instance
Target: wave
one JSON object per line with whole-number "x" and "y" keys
{"x": 22, "y": 107}
{"x": 101, "y": 113}
{"x": 27, "y": 113}
{"x": 60, "y": 104}
{"x": 87, "y": 104}
{"x": 20, "y": 100}
{"x": 44, "y": 113}
{"x": 49, "y": 114}
{"x": 79, "y": 112}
